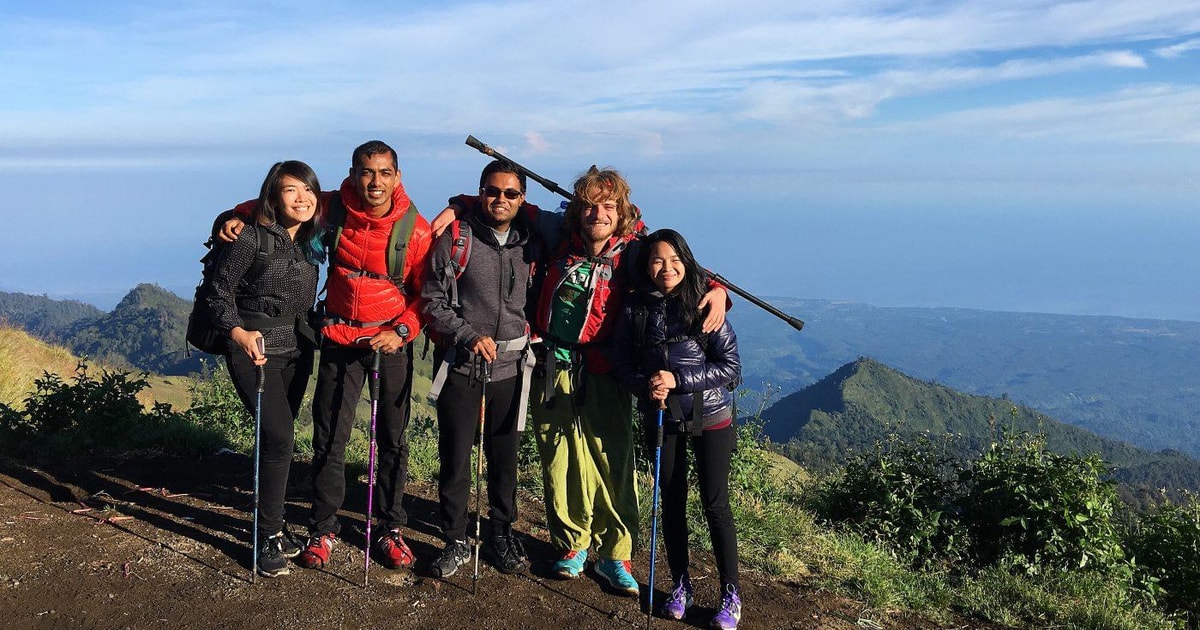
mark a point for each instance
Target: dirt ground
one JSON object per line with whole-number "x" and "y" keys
{"x": 153, "y": 542}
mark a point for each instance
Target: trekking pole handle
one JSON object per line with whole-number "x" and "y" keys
{"x": 261, "y": 346}
{"x": 658, "y": 430}
{"x": 374, "y": 381}
{"x": 474, "y": 143}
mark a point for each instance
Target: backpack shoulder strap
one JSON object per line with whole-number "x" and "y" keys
{"x": 460, "y": 246}
{"x": 265, "y": 253}
{"x": 460, "y": 254}
{"x": 640, "y": 315}
{"x": 398, "y": 245}
{"x": 335, "y": 219}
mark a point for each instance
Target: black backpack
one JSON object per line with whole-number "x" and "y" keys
{"x": 202, "y": 332}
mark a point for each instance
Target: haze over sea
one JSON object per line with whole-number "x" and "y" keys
{"x": 1005, "y": 155}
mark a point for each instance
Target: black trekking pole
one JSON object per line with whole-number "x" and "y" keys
{"x": 262, "y": 384}
{"x": 485, "y": 374}
{"x": 794, "y": 322}
{"x": 658, "y": 443}
{"x": 373, "y": 386}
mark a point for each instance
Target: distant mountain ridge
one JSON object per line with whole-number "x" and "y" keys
{"x": 1130, "y": 379}
{"x": 866, "y": 401}
{"x": 42, "y": 316}
{"x": 145, "y": 331}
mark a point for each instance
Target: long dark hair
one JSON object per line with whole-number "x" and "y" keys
{"x": 690, "y": 290}
{"x": 266, "y": 211}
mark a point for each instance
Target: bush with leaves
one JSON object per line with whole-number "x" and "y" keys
{"x": 903, "y": 495}
{"x": 217, "y": 407}
{"x": 87, "y": 413}
{"x": 1039, "y": 509}
{"x": 1166, "y": 545}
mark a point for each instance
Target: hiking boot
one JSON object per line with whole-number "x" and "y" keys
{"x": 454, "y": 555}
{"x": 730, "y": 614}
{"x": 619, "y": 575}
{"x": 395, "y": 552}
{"x": 271, "y": 559}
{"x": 291, "y": 545}
{"x": 680, "y": 600}
{"x": 510, "y": 553}
{"x": 316, "y": 553}
{"x": 570, "y": 565}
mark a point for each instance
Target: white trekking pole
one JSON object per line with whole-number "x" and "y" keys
{"x": 485, "y": 375}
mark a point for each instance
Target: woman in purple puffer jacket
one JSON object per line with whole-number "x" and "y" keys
{"x": 661, "y": 356}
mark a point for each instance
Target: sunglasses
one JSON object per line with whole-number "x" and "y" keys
{"x": 509, "y": 193}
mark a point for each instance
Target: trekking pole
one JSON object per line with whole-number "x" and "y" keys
{"x": 555, "y": 188}
{"x": 484, "y": 376}
{"x": 490, "y": 152}
{"x": 373, "y": 385}
{"x": 260, "y": 344}
{"x": 658, "y": 442}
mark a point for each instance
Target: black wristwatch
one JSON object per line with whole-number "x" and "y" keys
{"x": 402, "y": 330}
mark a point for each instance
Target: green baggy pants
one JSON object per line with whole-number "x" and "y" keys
{"x": 587, "y": 454}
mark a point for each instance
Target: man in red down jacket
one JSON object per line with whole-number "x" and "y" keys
{"x": 365, "y": 311}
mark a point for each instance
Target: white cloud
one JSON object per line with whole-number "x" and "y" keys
{"x": 644, "y": 74}
{"x": 1145, "y": 114}
{"x": 1178, "y": 50}
{"x": 535, "y": 143}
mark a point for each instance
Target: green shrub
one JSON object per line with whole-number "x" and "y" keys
{"x": 902, "y": 495}
{"x": 1039, "y": 509}
{"x": 217, "y": 407}
{"x": 1166, "y": 544}
{"x": 423, "y": 464}
{"x": 62, "y": 418}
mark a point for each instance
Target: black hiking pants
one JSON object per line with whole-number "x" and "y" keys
{"x": 286, "y": 377}
{"x": 342, "y": 374}
{"x": 458, "y": 431}
{"x": 713, "y": 451}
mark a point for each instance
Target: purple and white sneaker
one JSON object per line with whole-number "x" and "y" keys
{"x": 680, "y": 600}
{"x": 730, "y": 614}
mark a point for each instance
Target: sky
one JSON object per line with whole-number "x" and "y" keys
{"x": 1016, "y": 155}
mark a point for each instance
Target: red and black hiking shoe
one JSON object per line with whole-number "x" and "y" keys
{"x": 316, "y": 554}
{"x": 394, "y": 551}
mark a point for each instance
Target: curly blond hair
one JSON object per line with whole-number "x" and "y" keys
{"x": 597, "y": 186}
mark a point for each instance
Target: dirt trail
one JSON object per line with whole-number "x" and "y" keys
{"x": 154, "y": 542}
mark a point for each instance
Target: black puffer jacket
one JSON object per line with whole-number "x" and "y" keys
{"x": 703, "y": 364}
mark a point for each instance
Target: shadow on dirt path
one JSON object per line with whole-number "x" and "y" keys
{"x": 163, "y": 541}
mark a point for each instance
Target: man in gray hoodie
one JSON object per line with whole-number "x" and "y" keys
{"x": 474, "y": 292}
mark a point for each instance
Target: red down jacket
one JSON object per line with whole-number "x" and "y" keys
{"x": 364, "y": 305}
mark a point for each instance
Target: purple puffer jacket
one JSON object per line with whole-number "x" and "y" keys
{"x": 704, "y": 365}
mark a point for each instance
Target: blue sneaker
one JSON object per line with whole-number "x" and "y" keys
{"x": 570, "y": 565}
{"x": 617, "y": 572}
{"x": 680, "y": 600}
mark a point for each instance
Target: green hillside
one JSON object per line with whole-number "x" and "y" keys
{"x": 1127, "y": 379}
{"x": 865, "y": 401}
{"x": 145, "y": 331}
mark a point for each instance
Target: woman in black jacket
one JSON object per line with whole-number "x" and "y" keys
{"x": 661, "y": 355}
{"x": 260, "y": 302}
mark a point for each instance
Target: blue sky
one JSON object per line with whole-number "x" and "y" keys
{"x": 1020, "y": 155}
